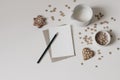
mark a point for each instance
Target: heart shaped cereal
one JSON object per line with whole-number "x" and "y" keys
{"x": 87, "y": 53}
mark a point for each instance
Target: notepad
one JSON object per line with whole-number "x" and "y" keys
{"x": 63, "y": 45}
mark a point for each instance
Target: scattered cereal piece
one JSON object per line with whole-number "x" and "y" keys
{"x": 82, "y": 63}
{"x": 85, "y": 30}
{"x": 96, "y": 66}
{"x": 52, "y": 17}
{"x": 66, "y": 5}
{"x": 80, "y": 38}
{"x": 110, "y": 52}
{"x": 82, "y": 42}
{"x": 54, "y": 9}
{"x": 46, "y": 10}
{"x": 49, "y": 5}
{"x": 74, "y": 0}
{"x": 110, "y": 30}
{"x": 79, "y": 33}
{"x": 118, "y": 38}
{"x": 88, "y": 28}
{"x": 59, "y": 19}
{"x": 99, "y": 58}
{"x": 112, "y": 18}
{"x": 51, "y": 11}
{"x": 118, "y": 48}
{"x": 99, "y": 52}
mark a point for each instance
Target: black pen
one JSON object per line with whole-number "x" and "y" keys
{"x": 47, "y": 47}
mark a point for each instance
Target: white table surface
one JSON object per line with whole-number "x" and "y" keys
{"x": 21, "y": 43}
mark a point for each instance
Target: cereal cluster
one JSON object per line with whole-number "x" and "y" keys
{"x": 39, "y": 21}
{"x": 87, "y": 53}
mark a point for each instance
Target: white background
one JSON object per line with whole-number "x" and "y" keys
{"x": 21, "y": 43}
